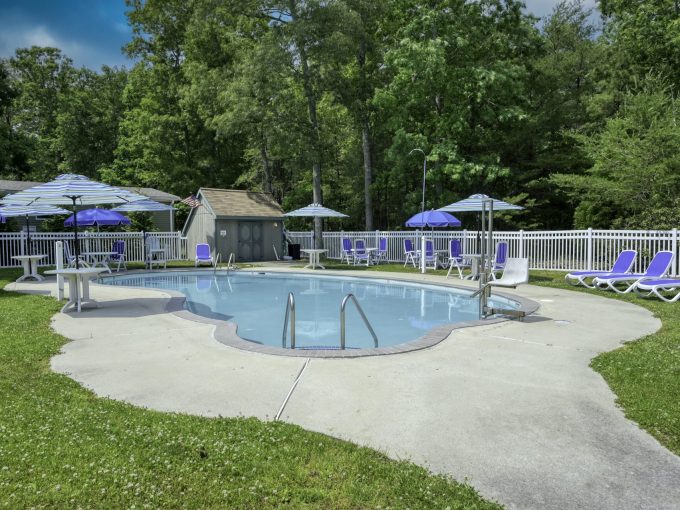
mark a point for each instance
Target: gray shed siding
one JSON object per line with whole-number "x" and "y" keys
{"x": 232, "y": 243}
{"x": 200, "y": 229}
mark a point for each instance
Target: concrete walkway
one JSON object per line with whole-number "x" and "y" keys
{"x": 512, "y": 408}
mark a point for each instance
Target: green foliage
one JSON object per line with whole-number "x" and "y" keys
{"x": 636, "y": 170}
{"x": 325, "y": 100}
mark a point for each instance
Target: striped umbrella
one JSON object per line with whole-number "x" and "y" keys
{"x": 143, "y": 205}
{"x": 73, "y": 190}
{"x": 474, "y": 203}
{"x": 10, "y": 211}
{"x": 316, "y": 211}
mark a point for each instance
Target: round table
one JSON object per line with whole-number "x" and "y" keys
{"x": 314, "y": 255}
{"x": 77, "y": 279}
{"x": 30, "y": 265}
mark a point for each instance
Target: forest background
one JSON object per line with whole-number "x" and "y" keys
{"x": 573, "y": 116}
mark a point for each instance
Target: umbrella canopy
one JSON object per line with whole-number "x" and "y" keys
{"x": 433, "y": 219}
{"x": 316, "y": 211}
{"x": 10, "y": 211}
{"x": 71, "y": 189}
{"x": 97, "y": 217}
{"x": 473, "y": 203}
{"x": 143, "y": 205}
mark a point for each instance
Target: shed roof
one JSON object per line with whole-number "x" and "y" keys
{"x": 154, "y": 194}
{"x": 233, "y": 203}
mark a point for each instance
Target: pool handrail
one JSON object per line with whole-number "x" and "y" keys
{"x": 363, "y": 316}
{"x": 290, "y": 312}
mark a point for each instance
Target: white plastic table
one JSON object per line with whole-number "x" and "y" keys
{"x": 30, "y": 265}
{"x": 78, "y": 285}
{"x": 99, "y": 258}
{"x": 476, "y": 259}
{"x": 314, "y": 256}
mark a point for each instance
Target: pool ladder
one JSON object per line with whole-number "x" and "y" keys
{"x": 290, "y": 317}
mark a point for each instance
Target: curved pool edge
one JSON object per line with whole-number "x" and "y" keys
{"x": 226, "y": 332}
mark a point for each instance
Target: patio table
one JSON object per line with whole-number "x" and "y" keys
{"x": 476, "y": 259}
{"x": 30, "y": 265}
{"x": 99, "y": 258}
{"x": 314, "y": 256}
{"x": 78, "y": 285}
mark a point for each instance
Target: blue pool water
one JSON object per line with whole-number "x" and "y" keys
{"x": 398, "y": 311}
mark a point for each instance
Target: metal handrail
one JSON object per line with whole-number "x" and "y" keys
{"x": 363, "y": 316}
{"x": 290, "y": 312}
{"x": 217, "y": 261}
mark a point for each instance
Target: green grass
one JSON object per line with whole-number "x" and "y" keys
{"x": 63, "y": 447}
{"x": 644, "y": 374}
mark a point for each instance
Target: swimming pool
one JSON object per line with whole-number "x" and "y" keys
{"x": 398, "y": 311}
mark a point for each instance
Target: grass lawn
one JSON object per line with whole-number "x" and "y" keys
{"x": 63, "y": 447}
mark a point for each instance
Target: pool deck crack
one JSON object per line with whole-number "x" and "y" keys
{"x": 292, "y": 389}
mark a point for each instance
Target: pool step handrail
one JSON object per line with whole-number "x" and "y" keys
{"x": 290, "y": 313}
{"x": 343, "y": 305}
{"x": 217, "y": 262}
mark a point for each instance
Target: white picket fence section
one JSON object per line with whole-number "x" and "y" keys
{"x": 558, "y": 250}
{"x": 14, "y": 243}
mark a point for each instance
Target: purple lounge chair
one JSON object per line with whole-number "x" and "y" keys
{"x": 360, "y": 252}
{"x": 381, "y": 252}
{"x": 500, "y": 258}
{"x": 656, "y": 270}
{"x": 623, "y": 263}
{"x": 203, "y": 255}
{"x": 118, "y": 255}
{"x": 347, "y": 251}
{"x": 410, "y": 252}
{"x": 655, "y": 287}
{"x": 455, "y": 259}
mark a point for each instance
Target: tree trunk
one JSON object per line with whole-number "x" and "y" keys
{"x": 365, "y": 136}
{"x": 368, "y": 173}
{"x": 266, "y": 174}
{"x": 314, "y": 127}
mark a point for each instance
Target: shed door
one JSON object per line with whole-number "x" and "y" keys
{"x": 249, "y": 241}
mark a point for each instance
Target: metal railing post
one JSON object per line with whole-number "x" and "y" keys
{"x": 290, "y": 313}
{"x": 363, "y": 316}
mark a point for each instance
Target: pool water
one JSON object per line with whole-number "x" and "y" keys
{"x": 398, "y": 311}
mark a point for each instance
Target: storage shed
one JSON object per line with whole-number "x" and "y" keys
{"x": 246, "y": 223}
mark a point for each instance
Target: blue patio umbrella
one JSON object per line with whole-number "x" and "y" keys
{"x": 433, "y": 219}
{"x": 98, "y": 217}
{"x": 73, "y": 190}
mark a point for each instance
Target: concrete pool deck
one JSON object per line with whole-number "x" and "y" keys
{"x": 512, "y": 408}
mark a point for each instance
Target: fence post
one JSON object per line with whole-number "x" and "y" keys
{"x": 521, "y": 244}
{"x": 675, "y": 252}
{"x": 465, "y": 241}
{"x": 590, "y": 250}
{"x": 377, "y": 238}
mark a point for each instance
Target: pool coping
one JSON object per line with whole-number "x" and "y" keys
{"x": 226, "y": 332}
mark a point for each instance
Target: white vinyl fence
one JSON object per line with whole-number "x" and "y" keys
{"x": 12, "y": 244}
{"x": 558, "y": 250}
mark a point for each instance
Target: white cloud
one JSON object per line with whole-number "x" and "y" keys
{"x": 543, "y": 8}
{"x": 23, "y": 37}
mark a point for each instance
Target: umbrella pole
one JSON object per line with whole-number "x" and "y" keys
{"x": 28, "y": 237}
{"x": 75, "y": 232}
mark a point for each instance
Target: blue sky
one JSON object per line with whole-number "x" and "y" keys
{"x": 92, "y": 32}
